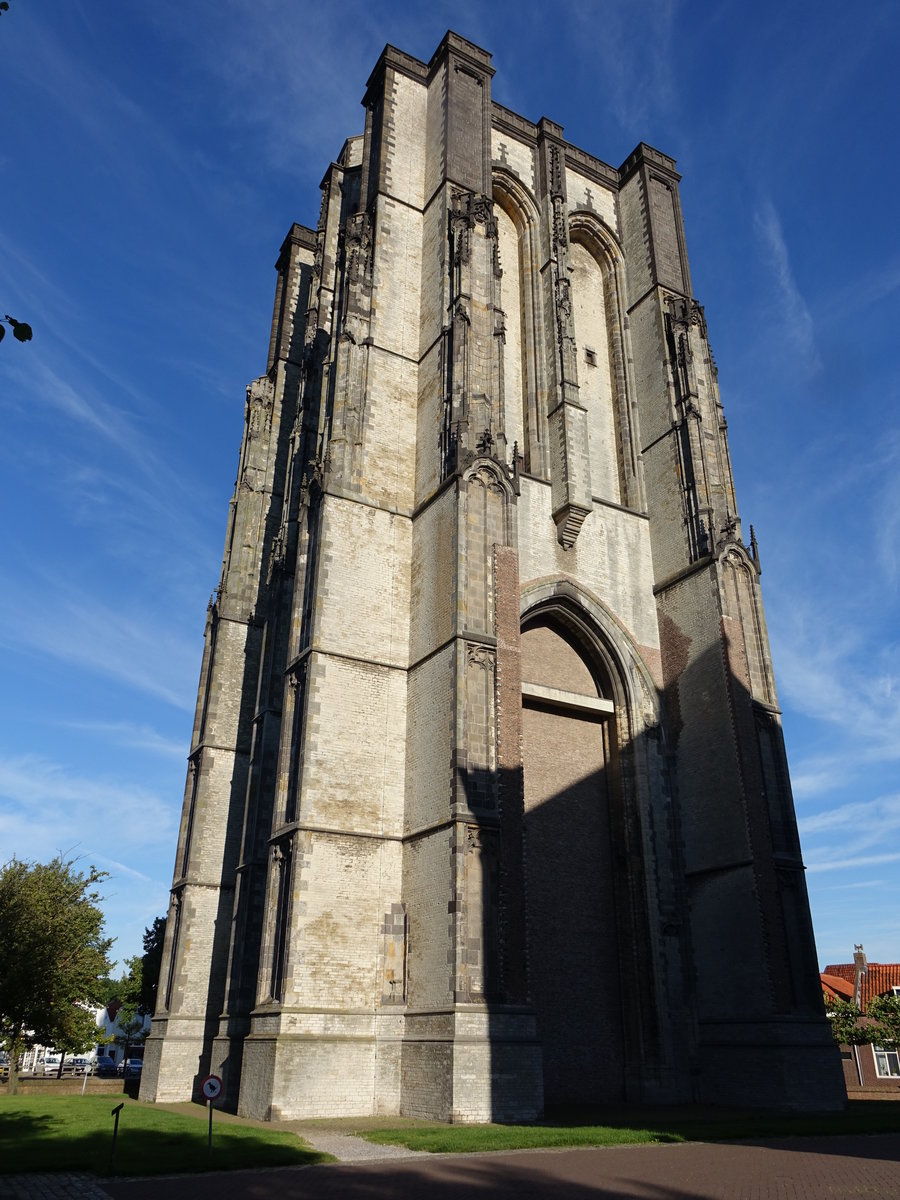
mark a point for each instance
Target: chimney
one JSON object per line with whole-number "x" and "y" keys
{"x": 860, "y": 968}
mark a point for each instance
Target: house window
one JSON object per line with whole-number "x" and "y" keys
{"x": 896, "y": 989}
{"x": 887, "y": 1063}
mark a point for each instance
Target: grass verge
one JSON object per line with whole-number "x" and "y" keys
{"x": 606, "y": 1127}
{"x": 74, "y": 1133}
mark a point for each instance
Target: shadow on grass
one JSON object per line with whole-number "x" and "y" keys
{"x": 148, "y": 1143}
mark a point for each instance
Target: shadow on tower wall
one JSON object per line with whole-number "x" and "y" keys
{"x": 662, "y": 898}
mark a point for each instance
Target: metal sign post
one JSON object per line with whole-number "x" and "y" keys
{"x": 112, "y": 1154}
{"x": 211, "y": 1087}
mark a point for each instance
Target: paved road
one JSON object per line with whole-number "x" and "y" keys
{"x": 836, "y": 1168}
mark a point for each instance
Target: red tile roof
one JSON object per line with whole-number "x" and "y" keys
{"x": 834, "y": 986}
{"x": 879, "y": 979}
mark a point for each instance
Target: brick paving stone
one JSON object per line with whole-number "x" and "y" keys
{"x": 837, "y": 1168}
{"x": 62, "y": 1185}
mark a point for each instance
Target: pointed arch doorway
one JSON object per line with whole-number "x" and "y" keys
{"x": 569, "y": 767}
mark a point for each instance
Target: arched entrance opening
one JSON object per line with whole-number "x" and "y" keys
{"x": 571, "y": 788}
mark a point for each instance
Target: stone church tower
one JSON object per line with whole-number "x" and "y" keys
{"x": 487, "y": 803}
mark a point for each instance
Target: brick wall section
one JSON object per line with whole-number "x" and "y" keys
{"x": 509, "y": 766}
{"x": 571, "y": 907}
{"x": 584, "y": 193}
{"x": 611, "y": 558}
{"x": 516, "y": 156}
{"x": 665, "y": 237}
{"x": 596, "y": 384}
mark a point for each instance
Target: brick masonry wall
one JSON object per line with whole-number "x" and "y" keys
{"x": 428, "y": 745}
{"x": 514, "y": 378}
{"x": 635, "y": 236}
{"x": 433, "y": 577}
{"x": 363, "y": 595}
{"x": 428, "y": 889}
{"x": 610, "y": 559}
{"x": 595, "y": 382}
{"x": 583, "y": 193}
{"x": 336, "y": 929}
{"x": 515, "y": 156}
{"x": 569, "y": 870}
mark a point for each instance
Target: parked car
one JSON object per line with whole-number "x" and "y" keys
{"x": 105, "y": 1066}
{"x": 51, "y": 1065}
{"x": 132, "y": 1068}
{"x": 82, "y": 1066}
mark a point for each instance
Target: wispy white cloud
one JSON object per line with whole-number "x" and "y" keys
{"x": 48, "y": 809}
{"x": 835, "y": 675}
{"x": 878, "y": 818}
{"x": 119, "y": 130}
{"x": 864, "y": 860}
{"x": 94, "y": 449}
{"x": 116, "y": 868}
{"x": 137, "y": 647}
{"x": 833, "y": 626}
{"x": 852, "y": 836}
{"x": 857, "y": 885}
{"x": 630, "y": 47}
{"x": 120, "y": 827}
{"x": 296, "y": 100}
{"x": 792, "y": 308}
{"x": 870, "y": 287}
{"x": 82, "y": 405}
{"x": 133, "y": 736}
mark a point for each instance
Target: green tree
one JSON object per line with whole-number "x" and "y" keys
{"x": 21, "y": 329}
{"x": 151, "y": 963}
{"x": 53, "y": 956}
{"x": 879, "y": 1025}
{"x": 884, "y": 1021}
{"x": 845, "y": 1027}
{"x": 125, "y": 995}
{"x": 133, "y": 996}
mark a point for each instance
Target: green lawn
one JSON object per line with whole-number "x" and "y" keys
{"x": 607, "y": 1127}
{"x": 43, "y": 1133}
{"x": 74, "y": 1133}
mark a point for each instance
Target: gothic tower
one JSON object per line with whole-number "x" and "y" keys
{"x": 487, "y": 803}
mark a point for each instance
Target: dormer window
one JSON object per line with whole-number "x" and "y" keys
{"x": 887, "y": 1063}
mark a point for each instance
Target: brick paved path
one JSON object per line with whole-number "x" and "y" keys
{"x": 68, "y": 1185}
{"x": 837, "y": 1168}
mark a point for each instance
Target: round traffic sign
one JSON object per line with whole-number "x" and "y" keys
{"x": 211, "y": 1087}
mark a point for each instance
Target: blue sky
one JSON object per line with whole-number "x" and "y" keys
{"x": 152, "y": 157}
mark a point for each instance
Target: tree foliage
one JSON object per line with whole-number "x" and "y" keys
{"x": 134, "y": 994}
{"x": 878, "y": 1026}
{"x": 22, "y": 331}
{"x": 845, "y": 1023}
{"x": 53, "y": 955}
{"x": 151, "y": 963}
{"x": 124, "y": 1002}
{"x": 884, "y": 1021}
